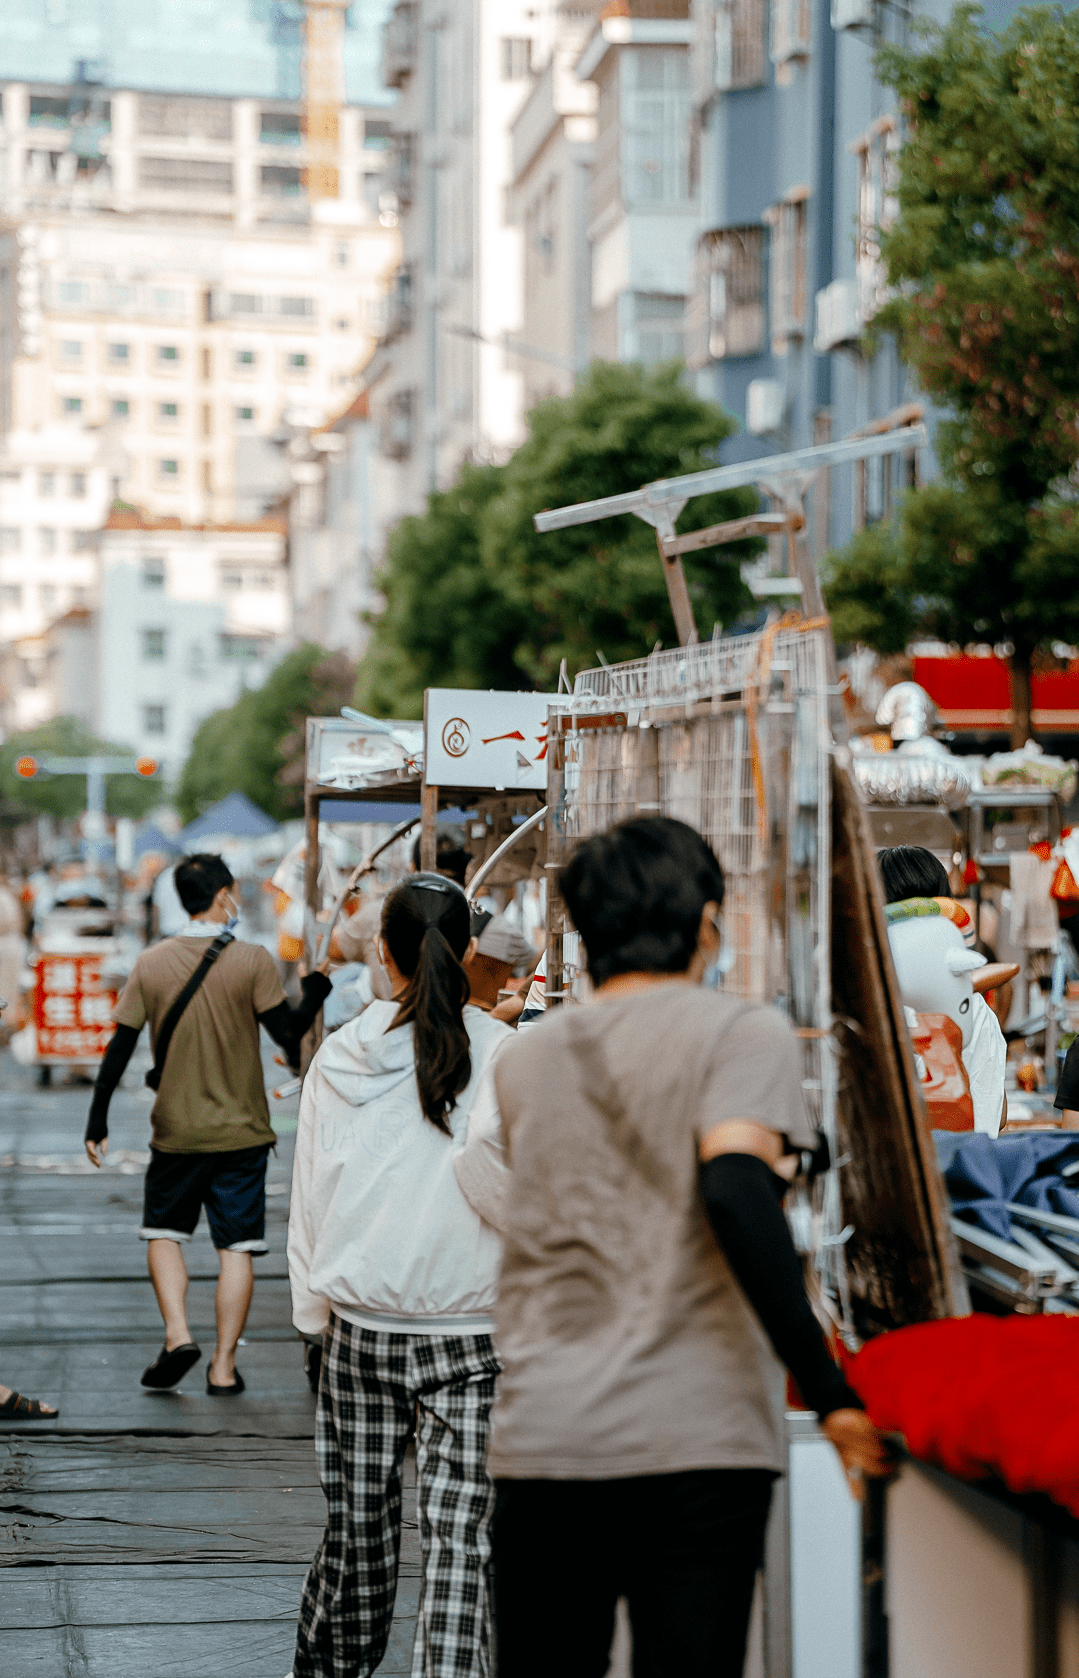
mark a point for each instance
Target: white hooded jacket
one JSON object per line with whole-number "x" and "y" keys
{"x": 379, "y": 1231}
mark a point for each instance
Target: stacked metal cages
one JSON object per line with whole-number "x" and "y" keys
{"x": 731, "y": 736}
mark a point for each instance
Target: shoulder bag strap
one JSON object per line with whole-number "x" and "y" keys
{"x": 172, "y": 1018}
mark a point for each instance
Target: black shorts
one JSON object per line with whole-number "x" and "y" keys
{"x": 231, "y": 1186}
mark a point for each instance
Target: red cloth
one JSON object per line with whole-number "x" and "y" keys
{"x": 981, "y": 1396}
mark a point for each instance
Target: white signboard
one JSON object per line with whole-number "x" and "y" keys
{"x": 481, "y": 738}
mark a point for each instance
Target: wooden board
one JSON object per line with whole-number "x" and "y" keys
{"x": 901, "y": 1258}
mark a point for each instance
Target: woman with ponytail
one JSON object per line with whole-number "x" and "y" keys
{"x": 390, "y": 1263}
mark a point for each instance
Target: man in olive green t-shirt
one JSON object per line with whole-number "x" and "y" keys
{"x": 210, "y": 1121}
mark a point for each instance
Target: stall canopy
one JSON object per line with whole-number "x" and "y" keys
{"x": 974, "y": 694}
{"x": 236, "y": 817}
{"x": 150, "y": 841}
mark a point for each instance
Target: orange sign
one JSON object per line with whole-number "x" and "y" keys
{"x": 146, "y": 765}
{"x": 72, "y": 1008}
{"x": 26, "y": 767}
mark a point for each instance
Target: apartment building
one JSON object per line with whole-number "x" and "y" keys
{"x": 445, "y": 384}
{"x": 168, "y": 283}
{"x": 553, "y": 140}
{"x": 798, "y": 141}
{"x": 187, "y": 617}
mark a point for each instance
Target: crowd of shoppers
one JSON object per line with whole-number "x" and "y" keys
{"x": 573, "y": 1240}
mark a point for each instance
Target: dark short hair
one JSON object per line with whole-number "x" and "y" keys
{"x": 198, "y": 880}
{"x": 912, "y": 871}
{"x": 636, "y": 895}
{"x": 452, "y": 856}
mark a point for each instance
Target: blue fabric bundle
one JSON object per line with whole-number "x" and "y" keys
{"x": 984, "y": 1173}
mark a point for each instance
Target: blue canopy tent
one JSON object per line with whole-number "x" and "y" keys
{"x": 235, "y": 817}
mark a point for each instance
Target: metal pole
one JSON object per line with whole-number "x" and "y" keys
{"x": 95, "y": 809}
{"x": 496, "y": 856}
{"x": 653, "y": 498}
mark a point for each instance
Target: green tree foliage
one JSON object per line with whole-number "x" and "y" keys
{"x": 985, "y": 257}
{"x": 256, "y": 746}
{"x": 64, "y": 796}
{"x": 475, "y": 598}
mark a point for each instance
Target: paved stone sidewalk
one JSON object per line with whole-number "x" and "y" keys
{"x": 144, "y": 1535}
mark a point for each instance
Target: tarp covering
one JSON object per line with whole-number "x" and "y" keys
{"x": 150, "y": 841}
{"x": 235, "y": 816}
{"x": 984, "y": 1173}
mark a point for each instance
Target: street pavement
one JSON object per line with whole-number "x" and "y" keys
{"x": 146, "y": 1535}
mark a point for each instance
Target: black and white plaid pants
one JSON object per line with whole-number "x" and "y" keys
{"x": 376, "y": 1388}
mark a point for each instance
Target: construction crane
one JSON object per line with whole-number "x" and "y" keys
{"x": 323, "y": 92}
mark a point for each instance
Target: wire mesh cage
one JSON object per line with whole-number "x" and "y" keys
{"x": 732, "y": 737}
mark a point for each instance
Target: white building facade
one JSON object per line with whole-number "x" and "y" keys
{"x": 187, "y": 618}
{"x": 167, "y": 281}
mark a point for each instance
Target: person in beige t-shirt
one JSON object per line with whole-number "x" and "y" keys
{"x": 210, "y": 1122}
{"x": 650, "y": 1293}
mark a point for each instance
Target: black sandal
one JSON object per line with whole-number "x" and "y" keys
{"x": 170, "y": 1367}
{"x": 20, "y": 1409}
{"x": 231, "y": 1390}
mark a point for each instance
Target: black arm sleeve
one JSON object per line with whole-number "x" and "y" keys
{"x": 121, "y": 1048}
{"x": 286, "y": 1025}
{"x": 745, "y": 1212}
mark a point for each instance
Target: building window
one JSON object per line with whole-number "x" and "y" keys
{"x": 153, "y": 719}
{"x": 120, "y": 353}
{"x": 232, "y": 581}
{"x": 245, "y": 358}
{"x": 658, "y": 328}
{"x": 184, "y": 118}
{"x": 46, "y": 595}
{"x": 244, "y": 303}
{"x": 340, "y": 256}
{"x": 245, "y": 416}
{"x": 515, "y": 52}
{"x": 185, "y": 174}
{"x": 46, "y": 542}
{"x": 166, "y": 301}
{"x": 207, "y": 420}
{"x": 153, "y": 572}
{"x": 792, "y": 21}
{"x": 278, "y": 180}
{"x": 73, "y": 294}
{"x": 207, "y": 364}
{"x": 82, "y": 541}
{"x": 729, "y": 50}
{"x": 73, "y": 406}
{"x": 10, "y": 594}
{"x": 207, "y": 477}
{"x": 264, "y": 580}
{"x": 398, "y": 425}
{"x": 377, "y": 134}
{"x": 279, "y": 128}
{"x": 153, "y": 644}
{"x": 297, "y": 362}
{"x": 47, "y": 111}
{"x": 657, "y": 127}
{"x": 10, "y": 539}
{"x": 240, "y": 647}
{"x": 726, "y": 314}
{"x": 168, "y": 354}
{"x": 168, "y": 410}
{"x": 120, "y": 408}
{"x": 46, "y": 484}
{"x": 296, "y": 307}
{"x": 169, "y": 468}
{"x": 877, "y": 152}
{"x": 71, "y": 349}
{"x": 788, "y": 295}
{"x": 78, "y": 485}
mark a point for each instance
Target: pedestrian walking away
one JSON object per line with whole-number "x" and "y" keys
{"x": 204, "y": 994}
{"x": 650, "y": 1291}
{"x": 388, "y": 1261}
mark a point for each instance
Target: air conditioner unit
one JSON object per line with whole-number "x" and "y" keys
{"x": 852, "y": 14}
{"x": 839, "y": 324}
{"x": 764, "y": 406}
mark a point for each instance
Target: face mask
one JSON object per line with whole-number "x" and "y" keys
{"x": 234, "y": 919}
{"x": 721, "y": 962}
